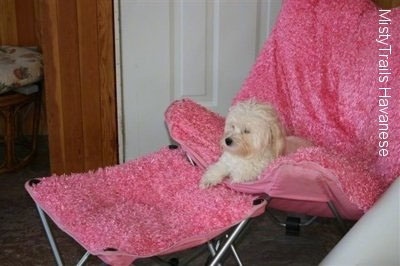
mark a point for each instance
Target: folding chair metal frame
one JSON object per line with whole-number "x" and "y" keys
{"x": 217, "y": 250}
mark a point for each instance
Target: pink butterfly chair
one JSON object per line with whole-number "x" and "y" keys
{"x": 143, "y": 208}
{"x": 320, "y": 68}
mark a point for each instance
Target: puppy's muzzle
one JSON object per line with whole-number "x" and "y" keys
{"x": 228, "y": 141}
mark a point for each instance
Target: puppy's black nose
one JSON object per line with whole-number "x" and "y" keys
{"x": 228, "y": 141}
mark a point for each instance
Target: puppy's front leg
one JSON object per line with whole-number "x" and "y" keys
{"x": 214, "y": 174}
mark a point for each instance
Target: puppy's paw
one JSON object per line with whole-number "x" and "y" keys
{"x": 211, "y": 178}
{"x": 214, "y": 175}
{"x": 207, "y": 181}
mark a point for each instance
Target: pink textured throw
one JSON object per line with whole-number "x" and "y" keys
{"x": 323, "y": 69}
{"x": 146, "y": 207}
{"x": 320, "y": 69}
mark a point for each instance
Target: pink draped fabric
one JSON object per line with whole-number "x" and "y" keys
{"x": 320, "y": 68}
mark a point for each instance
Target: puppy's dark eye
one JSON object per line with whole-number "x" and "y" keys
{"x": 246, "y": 131}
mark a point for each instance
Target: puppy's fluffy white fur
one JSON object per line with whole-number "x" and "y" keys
{"x": 253, "y": 137}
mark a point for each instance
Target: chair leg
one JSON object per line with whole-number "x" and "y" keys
{"x": 50, "y": 237}
{"x": 83, "y": 259}
{"x": 233, "y": 250}
{"x": 228, "y": 244}
{"x": 52, "y": 242}
{"x": 236, "y": 255}
{"x": 213, "y": 251}
{"x": 335, "y": 212}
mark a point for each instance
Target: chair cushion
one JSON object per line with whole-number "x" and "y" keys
{"x": 148, "y": 206}
{"x": 19, "y": 66}
{"x": 320, "y": 69}
{"x": 307, "y": 173}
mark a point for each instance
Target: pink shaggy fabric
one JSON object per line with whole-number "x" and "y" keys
{"x": 319, "y": 68}
{"x": 310, "y": 173}
{"x": 142, "y": 208}
{"x": 196, "y": 129}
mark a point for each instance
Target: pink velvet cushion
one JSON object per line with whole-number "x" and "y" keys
{"x": 145, "y": 207}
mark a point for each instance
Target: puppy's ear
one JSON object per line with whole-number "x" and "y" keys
{"x": 277, "y": 139}
{"x": 277, "y": 133}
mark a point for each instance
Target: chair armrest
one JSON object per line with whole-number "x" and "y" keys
{"x": 197, "y": 129}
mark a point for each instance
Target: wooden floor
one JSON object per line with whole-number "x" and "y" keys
{"x": 23, "y": 242}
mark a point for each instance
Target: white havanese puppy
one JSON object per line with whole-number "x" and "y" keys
{"x": 253, "y": 137}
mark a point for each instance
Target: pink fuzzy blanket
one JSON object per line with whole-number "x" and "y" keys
{"x": 321, "y": 69}
{"x": 325, "y": 69}
{"x": 146, "y": 207}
